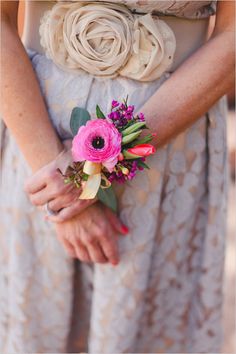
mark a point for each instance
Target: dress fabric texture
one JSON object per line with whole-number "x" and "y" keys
{"x": 166, "y": 293}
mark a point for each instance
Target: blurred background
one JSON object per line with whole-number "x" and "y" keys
{"x": 230, "y": 257}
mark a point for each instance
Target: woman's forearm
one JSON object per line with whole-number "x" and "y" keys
{"x": 192, "y": 89}
{"x": 22, "y": 105}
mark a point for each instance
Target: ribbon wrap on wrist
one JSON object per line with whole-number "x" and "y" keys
{"x": 92, "y": 185}
{"x": 94, "y": 181}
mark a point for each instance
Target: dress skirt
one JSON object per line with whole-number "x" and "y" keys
{"x": 165, "y": 296}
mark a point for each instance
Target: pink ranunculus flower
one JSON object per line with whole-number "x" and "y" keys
{"x": 98, "y": 141}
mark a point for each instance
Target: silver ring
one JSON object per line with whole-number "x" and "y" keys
{"x": 49, "y": 211}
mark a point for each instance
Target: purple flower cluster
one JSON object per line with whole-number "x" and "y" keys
{"x": 120, "y": 177}
{"x": 133, "y": 170}
{"x": 121, "y": 114}
{"x": 114, "y": 104}
{"x": 141, "y": 117}
{"x": 117, "y": 176}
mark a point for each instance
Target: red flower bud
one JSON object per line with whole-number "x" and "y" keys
{"x": 121, "y": 157}
{"x": 142, "y": 150}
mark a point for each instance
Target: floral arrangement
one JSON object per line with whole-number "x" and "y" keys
{"x": 107, "y": 149}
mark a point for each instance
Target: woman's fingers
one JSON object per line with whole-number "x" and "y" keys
{"x": 81, "y": 252}
{"x": 63, "y": 201}
{"x": 41, "y": 178}
{"x": 110, "y": 248}
{"x": 96, "y": 253}
{"x": 115, "y": 222}
{"x": 51, "y": 192}
{"x": 69, "y": 248}
{"x": 69, "y": 212}
{"x": 101, "y": 244}
{"x": 45, "y": 185}
{"x": 40, "y": 198}
{"x": 35, "y": 184}
{"x": 92, "y": 234}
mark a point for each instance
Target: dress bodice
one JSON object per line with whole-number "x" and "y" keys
{"x": 186, "y": 9}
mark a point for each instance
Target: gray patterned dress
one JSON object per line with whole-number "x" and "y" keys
{"x": 166, "y": 293}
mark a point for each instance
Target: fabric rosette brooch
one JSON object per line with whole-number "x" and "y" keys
{"x": 107, "y": 149}
{"x": 107, "y": 39}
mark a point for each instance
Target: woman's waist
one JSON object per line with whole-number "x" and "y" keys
{"x": 189, "y": 34}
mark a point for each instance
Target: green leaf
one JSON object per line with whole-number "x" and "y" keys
{"x": 108, "y": 197}
{"x": 129, "y": 156}
{"x": 146, "y": 139}
{"x": 79, "y": 116}
{"x": 131, "y": 122}
{"x": 143, "y": 164}
{"x": 99, "y": 113}
{"x": 126, "y": 101}
{"x": 128, "y": 138}
{"x": 85, "y": 177}
{"x": 132, "y": 128}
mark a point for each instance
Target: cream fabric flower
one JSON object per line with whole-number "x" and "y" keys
{"x": 96, "y": 38}
{"x": 153, "y": 49}
{"x": 106, "y": 39}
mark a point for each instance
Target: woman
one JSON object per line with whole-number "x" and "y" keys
{"x": 165, "y": 293}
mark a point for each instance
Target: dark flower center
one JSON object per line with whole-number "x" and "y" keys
{"x": 98, "y": 142}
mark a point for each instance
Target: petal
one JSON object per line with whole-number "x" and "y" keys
{"x": 110, "y": 164}
{"x": 142, "y": 150}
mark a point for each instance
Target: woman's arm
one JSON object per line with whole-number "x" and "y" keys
{"x": 22, "y": 106}
{"x": 24, "y": 112}
{"x": 197, "y": 84}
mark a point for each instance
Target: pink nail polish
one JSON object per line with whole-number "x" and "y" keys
{"x": 115, "y": 263}
{"x": 125, "y": 229}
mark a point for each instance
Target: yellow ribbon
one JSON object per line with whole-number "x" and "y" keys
{"x": 92, "y": 185}
{"x": 94, "y": 181}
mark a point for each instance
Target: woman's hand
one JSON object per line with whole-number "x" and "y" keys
{"x": 92, "y": 235}
{"x": 47, "y": 186}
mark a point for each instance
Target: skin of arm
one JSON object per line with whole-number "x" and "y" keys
{"x": 197, "y": 84}
{"x": 22, "y": 105}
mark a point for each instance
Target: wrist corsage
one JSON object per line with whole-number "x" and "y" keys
{"x": 107, "y": 149}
